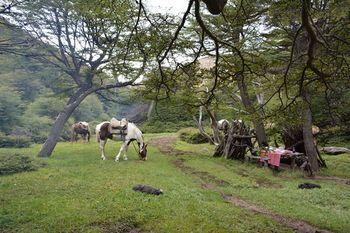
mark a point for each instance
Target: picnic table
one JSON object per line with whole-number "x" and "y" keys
{"x": 273, "y": 156}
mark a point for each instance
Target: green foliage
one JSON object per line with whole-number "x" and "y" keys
{"x": 10, "y": 109}
{"x": 164, "y": 126}
{"x": 334, "y": 136}
{"x": 47, "y": 105}
{"x": 14, "y": 141}
{"x": 89, "y": 110}
{"x": 16, "y": 163}
{"x": 191, "y": 135}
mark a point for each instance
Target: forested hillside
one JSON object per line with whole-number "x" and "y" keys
{"x": 32, "y": 94}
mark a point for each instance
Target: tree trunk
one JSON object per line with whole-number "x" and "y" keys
{"x": 50, "y": 143}
{"x": 150, "y": 110}
{"x": 257, "y": 121}
{"x": 310, "y": 147}
{"x": 214, "y": 126}
{"x": 74, "y": 101}
{"x": 200, "y": 126}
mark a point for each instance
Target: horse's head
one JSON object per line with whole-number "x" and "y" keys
{"x": 143, "y": 152}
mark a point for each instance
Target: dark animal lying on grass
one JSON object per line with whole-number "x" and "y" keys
{"x": 308, "y": 186}
{"x": 147, "y": 189}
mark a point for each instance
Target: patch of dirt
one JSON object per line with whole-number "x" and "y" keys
{"x": 297, "y": 225}
{"x": 242, "y": 173}
{"x": 207, "y": 186}
{"x": 205, "y": 176}
{"x": 261, "y": 182}
{"x": 332, "y": 178}
{"x": 166, "y": 145}
{"x": 121, "y": 226}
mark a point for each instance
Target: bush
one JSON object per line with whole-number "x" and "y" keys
{"x": 10, "y": 164}
{"x": 39, "y": 138}
{"x": 192, "y": 135}
{"x": 14, "y": 141}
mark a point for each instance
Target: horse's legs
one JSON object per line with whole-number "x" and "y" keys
{"x": 126, "y": 150}
{"x": 102, "y": 149}
{"x": 122, "y": 149}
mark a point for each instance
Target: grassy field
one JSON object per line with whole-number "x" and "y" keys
{"x": 77, "y": 192}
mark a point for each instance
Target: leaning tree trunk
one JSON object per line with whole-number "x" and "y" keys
{"x": 214, "y": 126}
{"x": 200, "y": 126}
{"x": 50, "y": 143}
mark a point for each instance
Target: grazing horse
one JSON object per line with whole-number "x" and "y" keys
{"x": 126, "y": 131}
{"x": 81, "y": 128}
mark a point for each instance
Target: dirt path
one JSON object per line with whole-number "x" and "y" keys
{"x": 297, "y": 225}
{"x": 332, "y": 178}
{"x": 166, "y": 145}
{"x": 211, "y": 182}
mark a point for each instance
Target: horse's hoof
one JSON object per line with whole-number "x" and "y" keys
{"x": 117, "y": 160}
{"x": 125, "y": 158}
{"x": 103, "y": 158}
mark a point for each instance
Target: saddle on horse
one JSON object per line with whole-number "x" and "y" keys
{"x": 119, "y": 127}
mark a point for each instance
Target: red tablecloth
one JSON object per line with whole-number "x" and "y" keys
{"x": 274, "y": 158}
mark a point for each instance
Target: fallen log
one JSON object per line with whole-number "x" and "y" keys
{"x": 333, "y": 150}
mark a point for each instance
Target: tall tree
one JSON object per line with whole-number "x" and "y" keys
{"x": 94, "y": 42}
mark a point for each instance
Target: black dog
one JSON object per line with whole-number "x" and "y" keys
{"x": 308, "y": 186}
{"x": 147, "y": 189}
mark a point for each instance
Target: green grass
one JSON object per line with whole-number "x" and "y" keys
{"x": 328, "y": 207}
{"x": 338, "y": 165}
{"x": 77, "y": 192}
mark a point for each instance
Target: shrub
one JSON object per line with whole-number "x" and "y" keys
{"x": 14, "y": 141}
{"x": 10, "y": 164}
{"x": 192, "y": 135}
{"x": 39, "y": 138}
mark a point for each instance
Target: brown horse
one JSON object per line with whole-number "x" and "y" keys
{"x": 81, "y": 128}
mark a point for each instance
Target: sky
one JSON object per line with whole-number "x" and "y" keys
{"x": 170, "y": 6}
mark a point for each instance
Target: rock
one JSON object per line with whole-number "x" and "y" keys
{"x": 332, "y": 150}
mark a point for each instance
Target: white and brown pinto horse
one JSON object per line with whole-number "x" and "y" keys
{"x": 125, "y": 131}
